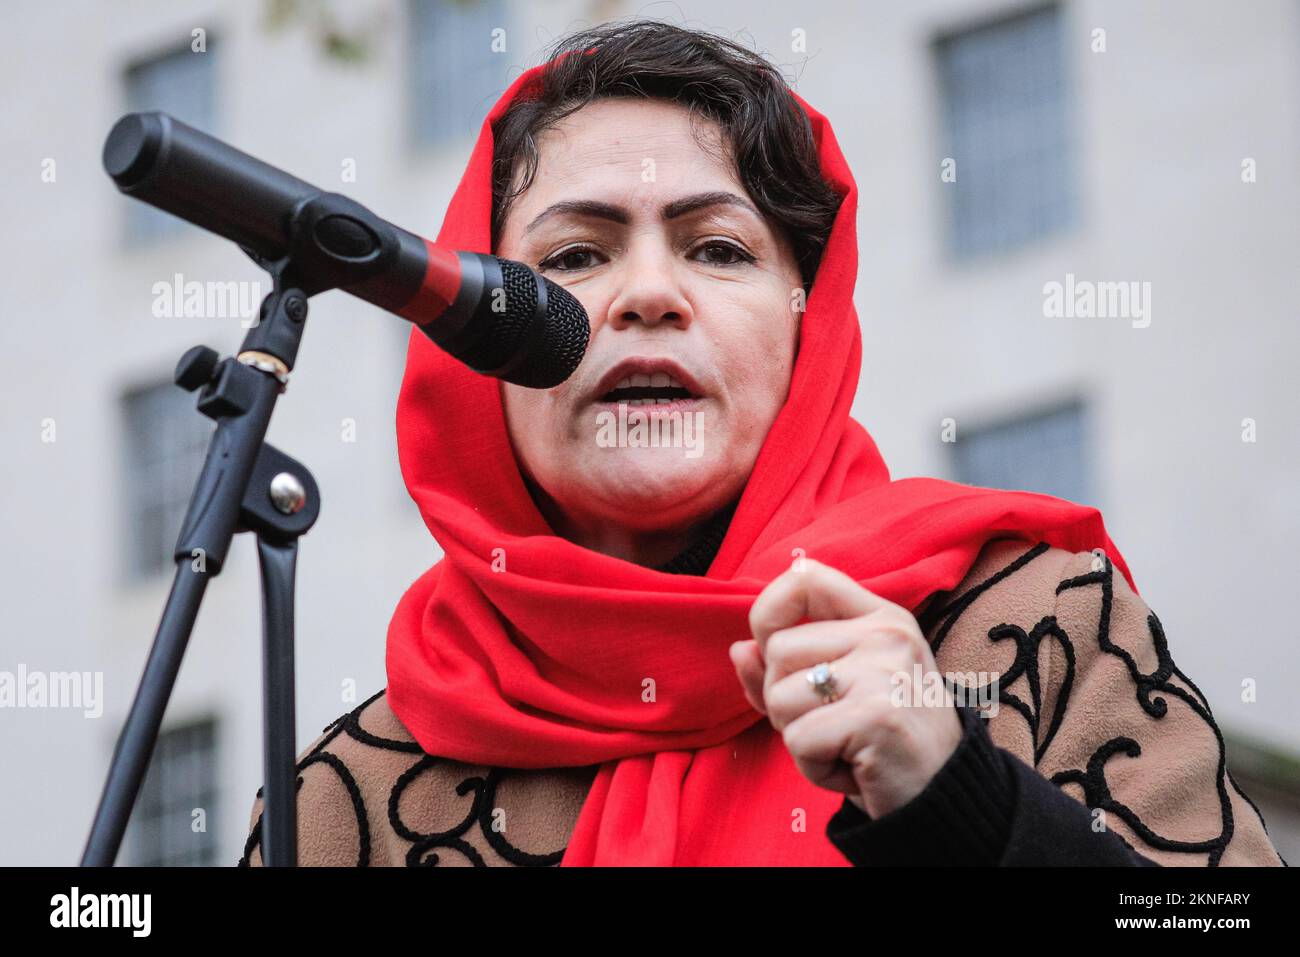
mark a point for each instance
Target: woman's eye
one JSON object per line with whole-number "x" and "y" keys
{"x": 565, "y": 260}
{"x": 577, "y": 258}
{"x": 731, "y": 255}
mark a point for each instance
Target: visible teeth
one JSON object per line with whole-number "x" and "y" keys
{"x": 657, "y": 380}
{"x": 633, "y": 403}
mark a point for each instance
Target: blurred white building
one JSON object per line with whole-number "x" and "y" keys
{"x": 997, "y": 147}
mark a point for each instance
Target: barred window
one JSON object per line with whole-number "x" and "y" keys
{"x": 1044, "y": 451}
{"x": 182, "y": 779}
{"x": 455, "y": 73}
{"x": 166, "y": 441}
{"x": 1006, "y": 121}
{"x": 181, "y": 82}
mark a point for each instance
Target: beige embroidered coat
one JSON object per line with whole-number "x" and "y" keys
{"x": 1089, "y": 697}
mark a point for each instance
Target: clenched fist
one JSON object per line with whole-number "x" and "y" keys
{"x": 881, "y": 754}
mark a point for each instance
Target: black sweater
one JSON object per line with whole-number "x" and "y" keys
{"x": 984, "y": 807}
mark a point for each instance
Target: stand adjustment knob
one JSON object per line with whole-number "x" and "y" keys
{"x": 196, "y": 368}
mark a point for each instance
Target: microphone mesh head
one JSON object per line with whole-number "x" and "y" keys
{"x": 551, "y": 352}
{"x": 510, "y": 328}
{"x": 563, "y": 343}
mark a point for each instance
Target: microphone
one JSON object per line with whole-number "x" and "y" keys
{"x": 499, "y": 317}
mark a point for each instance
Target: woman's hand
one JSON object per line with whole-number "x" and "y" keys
{"x": 879, "y": 753}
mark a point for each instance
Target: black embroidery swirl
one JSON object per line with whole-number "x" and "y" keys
{"x": 424, "y": 846}
{"x": 1151, "y": 692}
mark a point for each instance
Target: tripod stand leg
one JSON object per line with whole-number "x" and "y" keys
{"x": 280, "y": 822}
{"x": 135, "y": 744}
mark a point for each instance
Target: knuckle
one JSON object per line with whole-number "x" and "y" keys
{"x": 780, "y": 644}
{"x": 897, "y": 632}
{"x": 758, "y": 616}
{"x": 780, "y": 712}
{"x": 900, "y": 659}
{"x": 792, "y": 735}
{"x": 891, "y": 722}
{"x": 867, "y": 764}
{"x": 874, "y": 713}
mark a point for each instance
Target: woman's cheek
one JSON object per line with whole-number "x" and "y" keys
{"x": 769, "y": 358}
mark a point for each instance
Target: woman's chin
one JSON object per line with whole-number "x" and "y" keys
{"x": 645, "y": 484}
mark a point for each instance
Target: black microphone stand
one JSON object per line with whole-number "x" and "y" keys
{"x": 309, "y": 241}
{"x": 246, "y": 485}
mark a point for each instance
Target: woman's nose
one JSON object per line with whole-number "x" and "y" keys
{"x": 649, "y": 290}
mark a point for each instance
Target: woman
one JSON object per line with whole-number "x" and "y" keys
{"x": 722, "y": 648}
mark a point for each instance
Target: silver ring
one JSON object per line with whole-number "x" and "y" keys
{"x": 822, "y": 679}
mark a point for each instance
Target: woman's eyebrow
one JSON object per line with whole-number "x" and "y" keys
{"x": 618, "y": 214}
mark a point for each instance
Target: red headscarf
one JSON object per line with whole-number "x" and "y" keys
{"x": 522, "y": 649}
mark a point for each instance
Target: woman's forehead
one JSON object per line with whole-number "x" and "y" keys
{"x": 644, "y": 142}
{"x": 639, "y": 156}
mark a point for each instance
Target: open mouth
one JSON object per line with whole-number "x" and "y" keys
{"x": 657, "y": 388}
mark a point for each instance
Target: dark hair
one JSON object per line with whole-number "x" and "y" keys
{"x": 769, "y": 135}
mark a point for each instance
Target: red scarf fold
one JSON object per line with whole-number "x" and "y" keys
{"x": 521, "y": 649}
